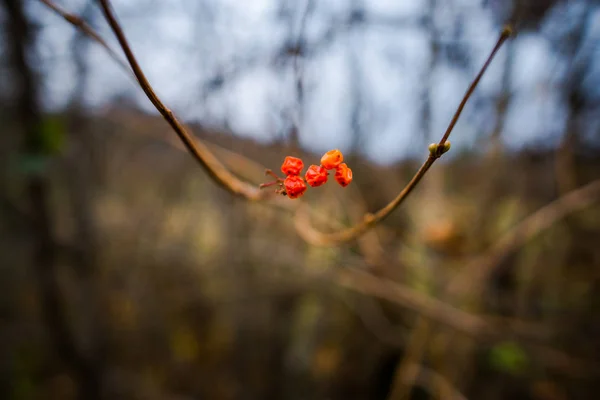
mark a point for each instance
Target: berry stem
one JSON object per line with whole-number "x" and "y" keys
{"x": 270, "y": 172}
{"x": 264, "y": 185}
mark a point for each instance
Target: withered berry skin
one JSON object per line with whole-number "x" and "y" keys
{"x": 294, "y": 186}
{"x": 292, "y": 166}
{"x": 343, "y": 175}
{"x": 316, "y": 175}
{"x": 332, "y": 159}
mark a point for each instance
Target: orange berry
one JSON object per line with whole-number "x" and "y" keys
{"x": 292, "y": 166}
{"x": 332, "y": 159}
{"x": 316, "y": 175}
{"x": 343, "y": 175}
{"x": 294, "y": 186}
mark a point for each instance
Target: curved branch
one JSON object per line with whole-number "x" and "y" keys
{"x": 216, "y": 170}
{"x": 220, "y": 174}
{"x": 315, "y": 237}
{"x": 199, "y": 151}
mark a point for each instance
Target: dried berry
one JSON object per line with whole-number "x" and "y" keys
{"x": 292, "y": 166}
{"x": 343, "y": 175}
{"x": 294, "y": 186}
{"x": 332, "y": 159}
{"x": 316, "y": 175}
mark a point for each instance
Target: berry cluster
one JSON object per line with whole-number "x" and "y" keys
{"x": 294, "y": 186}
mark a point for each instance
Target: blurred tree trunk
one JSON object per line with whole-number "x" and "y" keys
{"x": 80, "y": 162}
{"x": 29, "y": 116}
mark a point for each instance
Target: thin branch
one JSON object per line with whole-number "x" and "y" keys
{"x": 506, "y": 33}
{"x": 315, "y": 237}
{"x": 200, "y": 151}
{"x": 242, "y": 166}
{"x": 216, "y": 170}
{"x": 220, "y": 174}
{"x": 80, "y": 24}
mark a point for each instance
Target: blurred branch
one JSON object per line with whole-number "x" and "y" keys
{"x": 573, "y": 92}
{"x": 298, "y": 69}
{"x": 480, "y": 268}
{"x": 80, "y": 24}
{"x": 406, "y": 375}
{"x": 356, "y": 18}
{"x": 434, "y": 382}
{"x": 369, "y": 311}
{"x": 316, "y": 237}
{"x": 434, "y": 309}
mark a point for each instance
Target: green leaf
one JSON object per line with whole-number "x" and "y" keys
{"x": 508, "y": 357}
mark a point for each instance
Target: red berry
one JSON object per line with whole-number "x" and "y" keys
{"x": 294, "y": 186}
{"x": 332, "y": 159}
{"x": 343, "y": 175}
{"x": 316, "y": 175}
{"x": 292, "y": 166}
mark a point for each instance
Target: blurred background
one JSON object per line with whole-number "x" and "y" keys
{"x": 126, "y": 273}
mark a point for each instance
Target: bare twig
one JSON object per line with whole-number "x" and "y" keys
{"x": 313, "y": 236}
{"x": 80, "y": 24}
{"x": 220, "y": 174}
{"x": 240, "y": 165}
{"x": 199, "y": 151}
{"x": 506, "y": 33}
{"x": 216, "y": 170}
